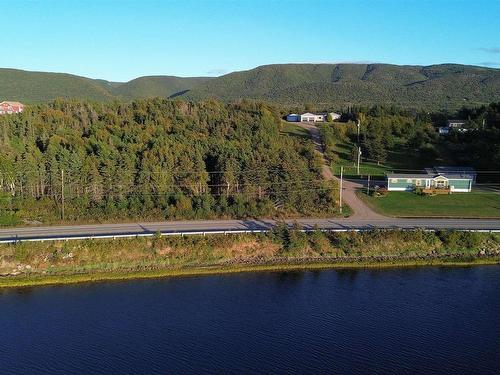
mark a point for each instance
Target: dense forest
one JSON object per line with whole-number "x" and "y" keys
{"x": 155, "y": 159}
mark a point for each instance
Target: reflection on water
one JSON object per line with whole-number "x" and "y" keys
{"x": 425, "y": 320}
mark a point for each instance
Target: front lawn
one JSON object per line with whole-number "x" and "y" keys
{"x": 463, "y": 205}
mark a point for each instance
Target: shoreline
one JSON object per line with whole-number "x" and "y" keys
{"x": 201, "y": 270}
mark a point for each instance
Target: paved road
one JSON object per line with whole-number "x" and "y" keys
{"x": 177, "y": 227}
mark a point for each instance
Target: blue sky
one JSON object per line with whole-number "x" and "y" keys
{"x": 121, "y": 40}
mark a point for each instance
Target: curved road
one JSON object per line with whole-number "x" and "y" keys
{"x": 359, "y": 209}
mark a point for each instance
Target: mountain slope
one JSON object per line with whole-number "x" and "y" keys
{"x": 163, "y": 86}
{"x": 431, "y": 87}
{"x": 412, "y": 86}
{"x": 32, "y": 87}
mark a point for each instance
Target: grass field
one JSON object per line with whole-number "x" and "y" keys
{"x": 456, "y": 205}
{"x": 294, "y": 130}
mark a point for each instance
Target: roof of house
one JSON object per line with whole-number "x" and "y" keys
{"x": 13, "y": 103}
{"x": 407, "y": 175}
{"x": 458, "y": 170}
{"x": 447, "y": 172}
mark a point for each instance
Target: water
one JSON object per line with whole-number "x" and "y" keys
{"x": 423, "y": 320}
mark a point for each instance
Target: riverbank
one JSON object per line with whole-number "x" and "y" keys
{"x": 220, "y": 270}
{"x": 30, "y": 264}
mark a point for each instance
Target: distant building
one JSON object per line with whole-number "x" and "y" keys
{"x": 293, "y": 117}
{"x": 8, "y": 108}
{"x": 312, "y": 117}
{"x": 456, "y": 179}
{"x": 453, "y": 125}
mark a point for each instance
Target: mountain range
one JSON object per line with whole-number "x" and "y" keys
{"x": 444, "y": 86}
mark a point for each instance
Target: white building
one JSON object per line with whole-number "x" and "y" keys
{"x": 312, "y": 117}
{"x": 453, "y": 125}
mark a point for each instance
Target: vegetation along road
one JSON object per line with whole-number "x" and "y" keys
{"x": 358, "y": 207}
{"x": 208, "y": 226}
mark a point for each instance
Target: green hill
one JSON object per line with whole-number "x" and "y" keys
{"x": 30, "y": 87}
{"x": 152, "y": 86}
{"x": 432, "y": 87}
{"x": 437, "y": 86}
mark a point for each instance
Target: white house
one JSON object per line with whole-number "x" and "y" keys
{"x": 455, "y": 124}
{"x": 312, "y": 117}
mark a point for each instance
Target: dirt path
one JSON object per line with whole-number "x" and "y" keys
{"x": 359, "y": 208}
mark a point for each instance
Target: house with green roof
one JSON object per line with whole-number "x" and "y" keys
{"x": 453, "y": 179}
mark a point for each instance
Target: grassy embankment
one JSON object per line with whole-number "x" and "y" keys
{"x": 26, "y": 264}
{"x": 463, "y": 205}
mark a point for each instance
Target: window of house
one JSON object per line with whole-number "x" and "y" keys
{"x": 408, "y": 180}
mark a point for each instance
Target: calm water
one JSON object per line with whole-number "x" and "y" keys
{"x": 426, "y": 320}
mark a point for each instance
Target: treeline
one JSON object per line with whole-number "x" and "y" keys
{"x": 479, "y": 146}
{"x": 382, "y": 130}
{"x": 410, "y": 140}
{"x": 156, "y": 158}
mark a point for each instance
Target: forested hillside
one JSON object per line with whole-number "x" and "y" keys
{"x": 36, "y": 87}
{"x": 435, "y": 87}
{"x": 429, "y": 87}
{"x": 403, "y": 141}
{"x": 155, "y": 159}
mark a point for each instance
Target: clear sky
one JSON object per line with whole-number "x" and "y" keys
{"x": 121, "y": 40}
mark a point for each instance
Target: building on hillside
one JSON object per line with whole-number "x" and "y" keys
{"x": 312, "y": 117}
{"x": 453, "y": 125}
{"x": 293, "y": 117}
{"x": 8, "y": 108}
{"x": 443, "y": 130}
{"x": 454, "y": 179}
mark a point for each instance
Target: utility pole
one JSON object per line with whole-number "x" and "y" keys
{"x": 340, "y": 192}
{"x": 62, "y": 194}
{"x": 359, "y": 157}
{"x": 368, "y": 185}
{"x": 359, "y": 125}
